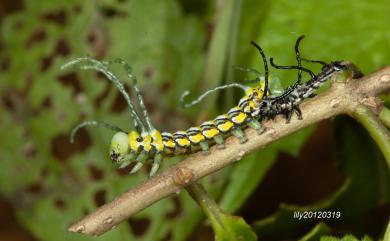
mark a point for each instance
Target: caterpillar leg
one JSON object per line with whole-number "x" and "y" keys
{"x": 288, "y": 115}
{"x": 298, "y": 112}
{"x": 255, "y": 124}
{"x": 219, "y": 140}
{"x": 141, "y": 159}
{"x": 124, "y": 162}
{"x": 237, "y": 132}
{"x": 205, "y": 147}
{"x": 156, "y": 164}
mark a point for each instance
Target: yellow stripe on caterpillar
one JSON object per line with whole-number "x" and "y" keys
{"x": 168, "y": 140}
{"x": 209, "y": 130}
{"x": 237, "y": 116}
{"x": 147, "y": 142}
{"x": 195, "y": 135}
{"x": 223, "y": 123}
{"x": 157, "y": 141}
{"x": 181, "y": 139}
{"x": 134, "y": 140}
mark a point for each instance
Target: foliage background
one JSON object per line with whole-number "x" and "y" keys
{"x": 174, "y": 45}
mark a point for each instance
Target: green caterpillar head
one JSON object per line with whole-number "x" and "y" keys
{"x": 119, "y": 146}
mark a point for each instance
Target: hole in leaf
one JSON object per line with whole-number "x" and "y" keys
{"x": 204, "y": 233}
{"x": 62, "y": 149}
{"x": 14, "y": 102}
{"x": 176, "y": 211}
{"x": 8, "y": 102}
{"x": 165, "y": 86}
{"x": 45, "y": 63}
{"x": 62, "y": 47}
{"x": 167, "y": 237}
{"x": 60, "y": 204}
{"x": 10, "y": 7}
{"x": 10, "y": 228}
{"x": 98, "y": 39}
{"x": 29, "y": 150}
{"x": 36, "y": 37}
{"x": 139, "y": 226}
{"x": 5, "y": 63}
{"x": 100, "y": 197}
{"x": 95, "y": 172}
{"x": 46, "y": 103}
{"x": 34, "y": 188}
{"x": 77, "y": 9}
{"x": 149, "y": 72}
{"x": 119, "y": 103}
{"x": 71, "y": 79}
{"x": 111, "y": 12}
{"x": 57, "y": 17}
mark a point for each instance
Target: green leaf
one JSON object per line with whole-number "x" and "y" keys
{"x": 219, "y": 47}
{"x": 226, "y": 227}
{"x": 387, "y": 233}
{"x": 315, "y": 233}
{"x": 233, "y": 228}
{"x": 345, "y": 238}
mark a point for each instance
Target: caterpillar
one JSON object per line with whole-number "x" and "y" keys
{"x": 288, "y": 102}
{"x": 146, "y": 142}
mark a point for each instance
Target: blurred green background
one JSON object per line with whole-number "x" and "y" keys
{"x": 46, "y": 183}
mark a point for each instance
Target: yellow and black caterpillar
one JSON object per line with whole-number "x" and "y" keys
{"x": 148, "y": 143}
{"x": 145, "y": 142}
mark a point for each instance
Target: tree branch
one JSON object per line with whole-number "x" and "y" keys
{"x": 341, "y": 98}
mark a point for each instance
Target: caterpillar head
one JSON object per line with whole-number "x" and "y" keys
{"x": 338, "y": 65}
{"x": 119, "y": 146}
{"x": 334, "y": 67}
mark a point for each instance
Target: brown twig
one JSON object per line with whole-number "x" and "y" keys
{"x": 341, "y": 98}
